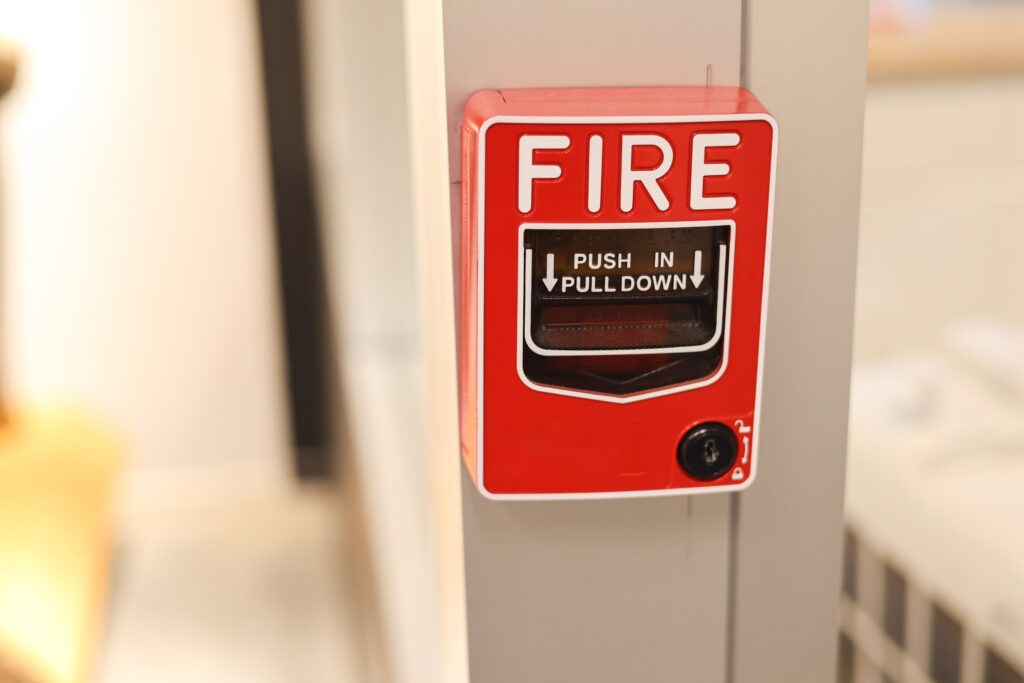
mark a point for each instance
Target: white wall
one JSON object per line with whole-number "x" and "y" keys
{"x": 137, "y": 274}
{"x": 360, "y": 112}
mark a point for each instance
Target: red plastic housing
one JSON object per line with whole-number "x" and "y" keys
{"x": 525, "y": 438}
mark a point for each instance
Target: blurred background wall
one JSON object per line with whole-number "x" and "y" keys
{"x": 137, "y": 272}
{"x": 138, "y": 281}
{"x": 933, "y": 587}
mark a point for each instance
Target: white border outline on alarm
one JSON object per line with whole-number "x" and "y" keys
{"x": 642, "y": 396}
{"x": 481, "y": 157}
{"x": 526, "y": 282}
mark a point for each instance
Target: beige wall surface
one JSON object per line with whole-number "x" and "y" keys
{"x": 138, "y": 276}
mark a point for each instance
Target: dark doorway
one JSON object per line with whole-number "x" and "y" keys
{"x": 301, "y": 271}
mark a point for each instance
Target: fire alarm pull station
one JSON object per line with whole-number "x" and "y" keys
{"x": 613, "y": 269}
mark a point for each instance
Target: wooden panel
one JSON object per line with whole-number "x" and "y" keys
{"x": 56, "y": 476}
{"x": 981, "y": 40}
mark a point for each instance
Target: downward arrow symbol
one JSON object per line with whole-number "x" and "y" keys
{"x": 550, "y": 281}
{"x": 696, "y": 278}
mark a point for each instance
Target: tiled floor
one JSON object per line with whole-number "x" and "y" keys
{"x": 229, "y": 587}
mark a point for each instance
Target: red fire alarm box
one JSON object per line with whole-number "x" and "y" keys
{"x": 612, "y": 280}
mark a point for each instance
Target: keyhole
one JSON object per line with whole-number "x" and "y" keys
{"x": 707, "y": 451}
{"x": 711, "y": 451}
